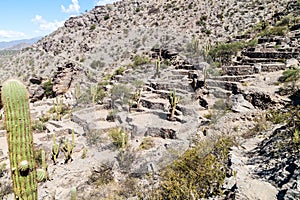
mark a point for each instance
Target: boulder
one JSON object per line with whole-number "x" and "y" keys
{"x": 239, "y": 104}
{"x": 292, "y": 62}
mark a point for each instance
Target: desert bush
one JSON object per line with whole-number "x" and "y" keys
{"x": 94, "y": 93}
{"x": 118, "y": 139}
{"x": 119, "y": 71}
{"x": 92, "y": 27}
{"x": 261, "y": 124}
{"x": 94, "y": 138}
{"x": 5, "y": 189}
{"x": 199, "y": 173}
{"x": 121, "y": 92}
{"x": 48, "y": 87}
{"x": 112, "y": 115}
{"x": 193, "y": 47}
{"x": 274, "y": 31}
{"x": 140, "y": 60}
{"x": 106, "y": 17}
{"x": 277, "y": 116}
{"x": 2, "y": 169}
{"x": 223, "y": 51}
{"x": 38, "y": 125}
{"x": 290, "y": 75}
{"x": 147, "y": 143}
{"x": 97, "y": 64}
{"x": 102, "y": 175}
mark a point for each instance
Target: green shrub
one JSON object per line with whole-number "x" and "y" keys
{"x": 119, "y": 71}
{"x": 117, "y": 139}
{"x": 223, "y": 51}
{"x": 97, "y": 64}
{"x": 147, "y": 143}
{"x": 92, "y": 27}
{"x": 121, "y": 92}
{"x": 290, "y": 75}
{"x": 274, "y": 31}
{"x": 103, "y": 175}
{"x": 38, "y": 125}
{"x": 140, "y": 60}
{"x": 106, "y": 17}
{"x": 277, "y": 116}
{"x": 48, "y": 87}
{"x": 199, "y": 173}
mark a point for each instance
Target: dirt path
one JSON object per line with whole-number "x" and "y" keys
{"x": 249, "y": 186}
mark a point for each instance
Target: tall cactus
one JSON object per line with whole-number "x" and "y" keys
{"x": 173, "y": 100}
{"x": 20, "y": 140}
{"x": 67, "y": 148}
{"x": 55, "y": 150}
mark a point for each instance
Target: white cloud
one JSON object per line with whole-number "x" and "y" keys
{"x": 45, "y": 25}
{"x": 11, "y": 34}
{"x": 104, "y": 2}
{"x": 72, "y": 8}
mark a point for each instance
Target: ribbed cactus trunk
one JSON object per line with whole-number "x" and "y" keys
{"x": 20, "y": 139}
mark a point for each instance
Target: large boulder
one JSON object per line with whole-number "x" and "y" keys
{"x": 239, "y": 104}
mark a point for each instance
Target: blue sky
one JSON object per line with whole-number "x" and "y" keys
{"x": 23, "y": 19}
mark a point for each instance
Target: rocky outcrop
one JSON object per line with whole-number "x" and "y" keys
{"x": 239, "y": 104}
{"x": 278, "y": 163}
{"x": 63, "y": 78}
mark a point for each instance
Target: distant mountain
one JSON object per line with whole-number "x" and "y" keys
{"x": 18, "y": 44}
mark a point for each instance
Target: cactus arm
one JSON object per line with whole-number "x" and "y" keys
{"x": 93, "y": 91}
{"x": 173, "y": 100}
{"x": 68, "y": 148}
{"x": 55, "y": 149}
{"x": 20, "y": 139}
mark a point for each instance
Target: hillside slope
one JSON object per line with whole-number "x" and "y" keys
{"x": 166, "y": 100}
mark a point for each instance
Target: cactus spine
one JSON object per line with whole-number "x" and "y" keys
{"x": 174, "y": 100}
{"x": 20, "y": 140}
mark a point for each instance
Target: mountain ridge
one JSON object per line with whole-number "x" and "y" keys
{"x": 18, "y": 44}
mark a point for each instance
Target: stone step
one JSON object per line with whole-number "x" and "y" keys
{"x": 169, "y": 86}
{"x": 155, "y": 103}
{"x": 295, "y": 27}
{"x": 233, "y": 78}
{"x": 226, "y": 85}
{"x": 186, "y": 67}
{"x": 245, "y": 60}
{"x": 181, "y": 72}
{"x": 165, "y": 93}
{"x": 286, "y": 50}
{"x": 272, "y": 67}
{"x": 219, "y": 92}
{"x": 283, "y": 55}
{"x": 238, "y": 70}
{"x": 277, "y": 40}
{"x": 174, "y": 77}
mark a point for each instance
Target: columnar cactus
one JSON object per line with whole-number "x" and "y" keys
{"x": 174, "y": 100}
{"x": 94, "y": 89}
{"x": 67, "y": 148}
{"x": 78, "y": 93}
{"x": 42, "y": 174}
{"x": 55, "y": 150}
{"x": 20, "y": 140}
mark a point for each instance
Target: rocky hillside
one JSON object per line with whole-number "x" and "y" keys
{"x": 111, "y": 34}
{"x": 165, "y": 100}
